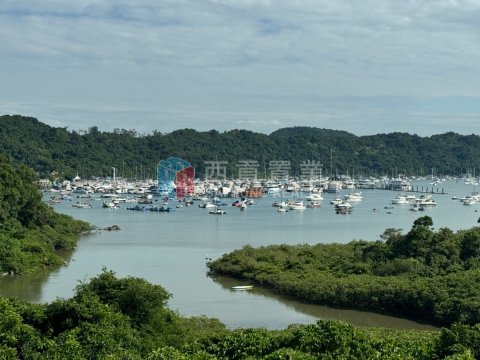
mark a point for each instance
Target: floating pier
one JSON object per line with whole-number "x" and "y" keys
{"x": 420, "y": 189}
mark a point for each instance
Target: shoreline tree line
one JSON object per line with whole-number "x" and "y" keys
{"x": 424, "y": 274}
{"x": 93, "y": 153}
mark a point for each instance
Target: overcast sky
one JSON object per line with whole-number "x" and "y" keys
{"x": 364, "y": 66}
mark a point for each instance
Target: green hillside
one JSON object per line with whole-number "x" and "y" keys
{"x": 30, "y": 231}
{"x": 93, "y": 153}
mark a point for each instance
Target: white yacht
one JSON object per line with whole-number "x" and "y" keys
{"x": 468, "y": 200}
{"x": 365, "y": 184}
{"x": 343, "y": 208}
{"x": 82, "y": 205}
{"x": 399, "y": 199}
{"x": 296, "y": 205}
{"x": 425, "y": 200}
{"x": 336, "y": 201}
{"x": 353, "y": 197}
{"x": 334, "y": 186}
{"x": 314, "y": 197}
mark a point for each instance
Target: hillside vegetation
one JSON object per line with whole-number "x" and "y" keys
{"x": 112, "y": 318}
{"x": 93, "y": 153}
{"x": 30, "y": 231}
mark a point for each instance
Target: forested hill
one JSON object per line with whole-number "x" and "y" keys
{"x": 30, "y": 231}
{"x": 93, "y": 153}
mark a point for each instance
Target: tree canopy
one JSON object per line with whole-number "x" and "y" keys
{"x": 423, "y": 274}
{"x": 114, "y": 318}
{"x": 30, "y": 231}
{"x": 93, "y": 152}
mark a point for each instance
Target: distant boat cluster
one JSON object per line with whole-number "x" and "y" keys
{"x": 247, "y": 188}
{"x": 303, "y": 194}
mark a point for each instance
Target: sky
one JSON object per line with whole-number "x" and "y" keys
{"x": 366, "y": 67}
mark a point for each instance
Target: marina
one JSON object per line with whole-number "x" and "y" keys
{"x": 171, "y": 248}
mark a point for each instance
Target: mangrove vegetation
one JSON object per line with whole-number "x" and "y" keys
{"x": 127, "y": 318}
{"x": 423, "y": 274}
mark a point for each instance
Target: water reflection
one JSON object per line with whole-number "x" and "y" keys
{"x": 354, "y": 317}
{"x": 29, "y": 286}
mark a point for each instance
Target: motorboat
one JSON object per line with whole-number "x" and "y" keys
{"x": 297, "y": 205}
{"x": 334, "y": 186}
{"x": 411, "y": 198}
{"x": 279, "y": 204}
{"x": 365, "y": 184}
{"x": 354, "y": 197}
{"x": 82, "y": 205}
{"x": 468, "y": 200}
{"x": 217, "y": 211}
{"x": 109, "y": 205}
{"x": 399, "y": 200}
{"x": 336, "y": 201}
{"x": 148, "y": 199}
{"x": 163, "y": 208}
{"x": 242, "y": 287}
{"x": 343, "y": 208}
{"x": 313, "y": 205}
{"x": 273, "y": 188}
{"x": 137, "y": 208}
{"x": 426, "y": 200}
{"x": 314, "y": 197}
{"x": 207, "y": 205}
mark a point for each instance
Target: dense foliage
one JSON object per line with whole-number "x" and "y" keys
{"x": 30, "y": 231}
{"x": 112, "y": 318}
{"x": 93, "y": 153}
{"x": 424, "y": 274}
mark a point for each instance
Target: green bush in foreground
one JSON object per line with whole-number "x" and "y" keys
{"x": 112, "y": 318}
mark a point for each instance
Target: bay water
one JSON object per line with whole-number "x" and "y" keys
{"x": 171, "y": 249}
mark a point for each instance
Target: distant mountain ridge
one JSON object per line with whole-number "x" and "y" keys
{"x": 308, "y": 132}
{"x": 93, "y": 153}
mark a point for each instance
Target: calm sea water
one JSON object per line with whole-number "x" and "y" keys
{"x": 171, "y": 249}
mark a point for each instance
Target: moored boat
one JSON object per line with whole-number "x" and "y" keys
{"x": 399, "y": 199}
{"x": 343, "y": 208}
{"x": 217, "y": 211}
{"x": 336, "y": 201}
{"x": 314, "y": 197}
{"x": 109, "y": 205}
{"x": 425, "y": 200}
{"x": 313, "y": 205}
{"x": 82, "y": 205}
{"x": 242, "y": 287}
{"x": 355, "y": 197}
{"x": 296, "y": 205}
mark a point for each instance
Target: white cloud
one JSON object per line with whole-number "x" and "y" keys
{"x": 224, "y": 56}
